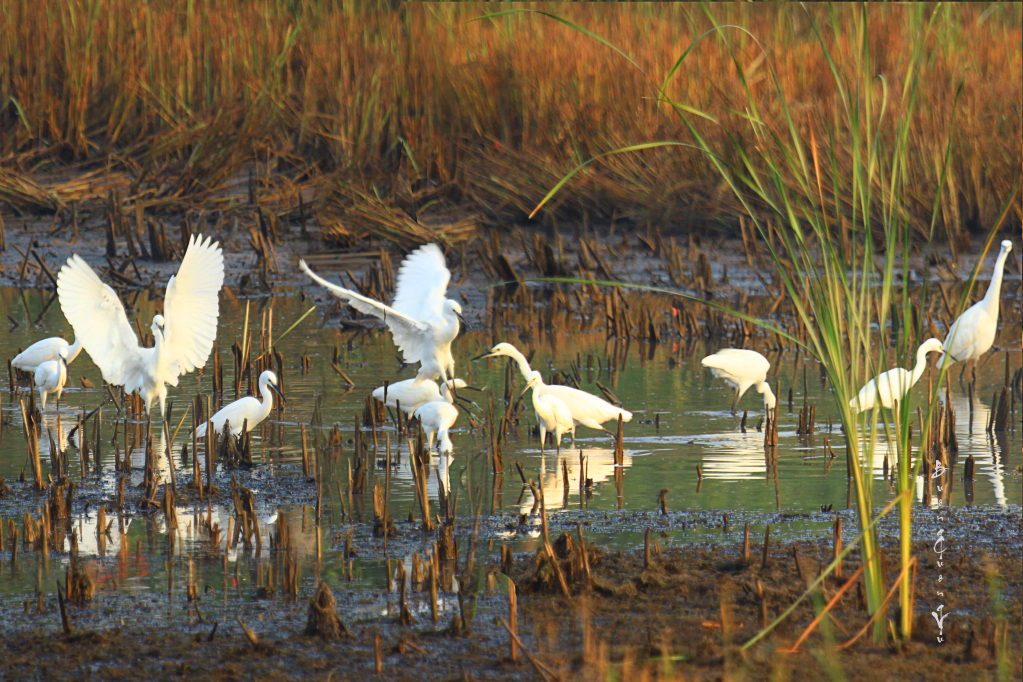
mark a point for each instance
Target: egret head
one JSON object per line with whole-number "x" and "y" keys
{"x": 535, "y": 379}
{"x": 62, "y": 355}
{"x": 1006, "y": 246}
{"x": 500, "y": 349}
{"x": 268, "y": 378}
{"x": 455, "y": 308}
{"x": 930, "y": 346}
{"x": 158, "y": 325}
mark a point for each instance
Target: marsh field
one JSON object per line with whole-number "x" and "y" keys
{"x": 619, "y": 191}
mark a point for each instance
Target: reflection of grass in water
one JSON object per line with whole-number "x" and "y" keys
{"x": 823, "y": 244}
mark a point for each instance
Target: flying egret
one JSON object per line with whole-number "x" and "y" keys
{"x": 44, "y": 351}
{"x": 552, "y": 414}
{"x": 422, "y": 322}
{"x": 183, "y": 335}
{"x": 895, "y": 383}
{"x": 412, "y": 394}
{"x": 247, "y": 408}
{"x": 587, "y": 409}
{"x": 742, "y": 369}
{"x": 436, "y": 418}
{"x": 973, "y": 332}
{"x": 50, "y": 377}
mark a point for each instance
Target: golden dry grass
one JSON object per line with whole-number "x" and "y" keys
{"x": 498, "y": 109}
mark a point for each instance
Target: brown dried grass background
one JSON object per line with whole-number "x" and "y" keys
{"x": 489, "y": 113}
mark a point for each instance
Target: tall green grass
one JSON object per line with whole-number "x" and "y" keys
{"x": 843, "y": 226}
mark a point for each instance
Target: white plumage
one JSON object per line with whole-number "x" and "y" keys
{"x": 742, "y": 369}
{"x": 552, "y": 414}
{"x": 422, "y": 321}
{"x": 44, "y": 351}
{"x": 413, "y": 393}
{"x": 50, "y": 377}
{"x": 437, "y": 418}
{"x": 895, "y": 383}
{"x": 973, "y": 332}
{"x": 247, "y": 409}
{"x": 586, "y": 408}
{"x": 183, "y": 335}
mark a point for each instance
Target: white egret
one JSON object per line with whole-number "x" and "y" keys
{"x": 741, "y": 369}
{"x": 437, "y": 418}
{"x": 552, "y": 414}
{"x": 895, "y": 383}
{"x": 422, "y": 321}
{"x": 183, "y": 335}
{"x": 50, "y": 377}
{"x": 973, "y": 332}
{"x": 247, "y": 408}
{"x": 587, "y": 409}
{"x": 412, "y": 394}
{"x": 44, "y": 351}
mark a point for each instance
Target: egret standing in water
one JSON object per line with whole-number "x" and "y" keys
{"x": 973, "y": 332}
{"x": 437, "y": 418}
{"x": 422, "y": 321}
{"x": 51, "y": 376}
{"x": 586, "y": 408}
{"x": 183, "y": 335}
{"x": 44, "y": 351}
{"x": 552, "y": 414}
{"x": 247, "y": 409}
{"x": 742, "y": 369}
{"x": 412, "y": 394}
{"x": 895, "y": 383}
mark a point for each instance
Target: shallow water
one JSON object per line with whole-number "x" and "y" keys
{"x": 664, "y": 383}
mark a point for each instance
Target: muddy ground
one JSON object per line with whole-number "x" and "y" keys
{"x": 686, "y": 615}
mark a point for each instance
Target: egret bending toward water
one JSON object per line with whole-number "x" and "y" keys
{"x": 741, "y": 369}
{"x": 437, "y": 418}
{"x": 895, "y": 383}
{"x": 245, "y": 409}
{"x": 183, "y": 335}
{"x": 552, "y": 414}
{"x": 44, "y": 351}
{"x": 586, "y": 408}
{"x": 422, "y": 322}
{"x": 973, "y": 332}
{"x": 50, "y": 377}
{"x": 412, "y": 394}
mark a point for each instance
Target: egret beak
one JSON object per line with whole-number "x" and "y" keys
{"x": 465, "y": 325}
{"x": 472, "y": 388}
{"x": 528, "y": 386}
{"x": 488, "y": 354}
{"x": 284, "y": 401}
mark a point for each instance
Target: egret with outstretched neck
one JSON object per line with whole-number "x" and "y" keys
{"x": 741, "y": 369}
{"x": 45, "y": 351}
{"x": 973, "y": 332}
{"x": 587, "y": 409}
{"x": 893, "y": 385}
{"x": 552, "y": 414}
{"x": 50, "y": 377}
{"x": 248, "y": 410}
{"x": 183, "y": 335}
{"x": 422, "y": 321}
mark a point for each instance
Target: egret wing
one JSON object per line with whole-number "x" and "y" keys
{"x": 422, "y": 284}
{"x": 410, "y": 335}
{"x": 192, "y": 306}
{"x": 99, "y": 320}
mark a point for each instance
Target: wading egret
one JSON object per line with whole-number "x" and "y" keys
{"x": 973, "y": 332}
{"x": 247, "y": 408}
{"x": 50, "y": 377}
{"x": 183, "y": 335}
{"x": 422, "y": 322}
{"x": 895, "y": 383}
{"x": 742, "y": 369}
{"x": 413, "y": 394}
{"x": 587, "y": 409}
{"x": 44, "y": 351}
{"x": 437, "y": 418}
{"x": 552, "y": 414}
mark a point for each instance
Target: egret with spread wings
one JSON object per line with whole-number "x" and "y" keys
{"x": 422, "y": 321}
{"x": 183, "y": 335}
